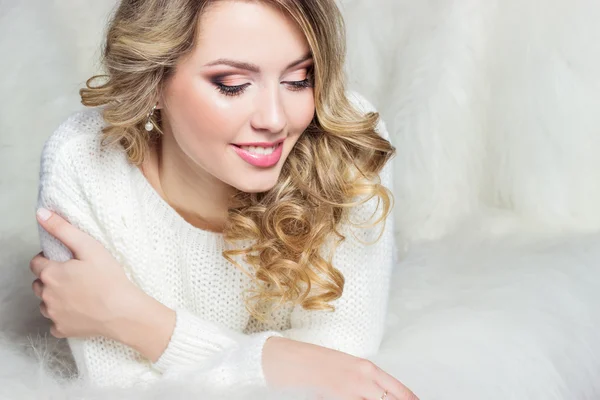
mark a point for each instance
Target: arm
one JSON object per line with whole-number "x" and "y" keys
{"x": 100, "y": 360}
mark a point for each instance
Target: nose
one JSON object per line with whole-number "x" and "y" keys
{"x": 269, "y": 114}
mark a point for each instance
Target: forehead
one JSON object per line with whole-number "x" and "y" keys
{"x": 249, "y": 31}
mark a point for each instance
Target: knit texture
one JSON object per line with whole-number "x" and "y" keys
{"x": 101, "y": 193}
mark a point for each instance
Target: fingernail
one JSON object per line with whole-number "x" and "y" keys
{"x": 43, "y": 214}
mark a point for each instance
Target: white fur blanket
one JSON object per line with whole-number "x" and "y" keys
{"x": 493, "y": 109}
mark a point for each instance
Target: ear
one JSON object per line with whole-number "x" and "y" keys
{"x": 160, "y": 102}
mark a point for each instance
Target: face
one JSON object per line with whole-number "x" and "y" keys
{"x": 238, "y": 104}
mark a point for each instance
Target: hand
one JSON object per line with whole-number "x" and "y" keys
{"x": 290, "y": 363}
{"x": 86, "y": 296}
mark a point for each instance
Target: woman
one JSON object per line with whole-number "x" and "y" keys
{"x": 228, "y": 204}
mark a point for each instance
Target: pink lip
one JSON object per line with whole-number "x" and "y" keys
{"x": 261, "y": 144}
{"x": 260, "y": 160}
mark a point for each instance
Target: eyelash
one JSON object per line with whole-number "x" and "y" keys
{"x": 239, "y": 89}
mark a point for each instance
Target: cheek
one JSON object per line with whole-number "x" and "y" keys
{"x": 195, "y": 110}
{"x": 201, "y": 117}
{"x": 302, "y": 112}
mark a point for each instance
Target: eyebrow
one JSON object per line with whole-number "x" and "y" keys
{"x": 253, "y": 67}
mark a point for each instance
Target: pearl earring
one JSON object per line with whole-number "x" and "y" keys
{"x": 149, "y": 125}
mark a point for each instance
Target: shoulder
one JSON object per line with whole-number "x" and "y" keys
{"x": 78, "y": 133}
{"x": 81, "y": 179}
{"x": 75, "y": 146}
{"x": 360, "y": 102}
{"x": 372, "y": 208}
{"x": 82, "y": 124}
{"x": 77, "y": 170}
{"x": 78, "y": 177}
{"x": 363, "y": 105}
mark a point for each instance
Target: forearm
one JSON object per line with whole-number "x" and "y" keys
{"x": 287, "y": 362}
{"x": 280, "y": 362}
{"x": 148, "y": 326}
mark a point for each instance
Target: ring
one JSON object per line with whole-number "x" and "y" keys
{"x": 384, "y": 395}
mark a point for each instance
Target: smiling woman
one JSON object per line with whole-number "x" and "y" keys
{"x": 227, "y": 199}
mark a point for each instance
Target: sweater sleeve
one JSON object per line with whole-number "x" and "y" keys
{"x": 356, "y": 326}
{"x": 101, "y": 361}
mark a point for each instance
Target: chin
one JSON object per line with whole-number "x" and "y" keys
{"x": 254, "y": 187}
{"x": 257, "y": 186}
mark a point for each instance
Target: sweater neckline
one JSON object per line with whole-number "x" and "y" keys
{"x": 164, "y": 210}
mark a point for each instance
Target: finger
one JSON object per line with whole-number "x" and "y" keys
{"x": 75, "y": 240}
{"x": 37, "y": 287}
{"x": 394, "y": 387}
{"x": 390, "y": 396}
{"x": 44, "y": 310}
{"x": 38, "y": 264}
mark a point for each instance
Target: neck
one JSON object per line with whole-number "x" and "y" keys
{"x": 200, "y": 198}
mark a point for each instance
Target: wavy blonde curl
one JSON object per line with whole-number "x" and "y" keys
{"x": 333, "y": 167}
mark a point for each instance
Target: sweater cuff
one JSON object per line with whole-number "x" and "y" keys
{"x": 242, "y": 366}
{"x": 253, "y": 353}
{"x": 193, "y": 341}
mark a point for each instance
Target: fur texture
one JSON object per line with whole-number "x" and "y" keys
{"x": 492, "y": 107}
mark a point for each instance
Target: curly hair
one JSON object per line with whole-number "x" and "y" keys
{"x": 333, "y": 167}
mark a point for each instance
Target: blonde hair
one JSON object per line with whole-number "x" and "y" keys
{"x": 334, "y": 165}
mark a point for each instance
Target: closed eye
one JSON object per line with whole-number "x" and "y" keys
{"x": 231, "y": 90}
{"x": 299, "y": 85}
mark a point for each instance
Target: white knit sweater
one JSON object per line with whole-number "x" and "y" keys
{"x": 99, "y": 192}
